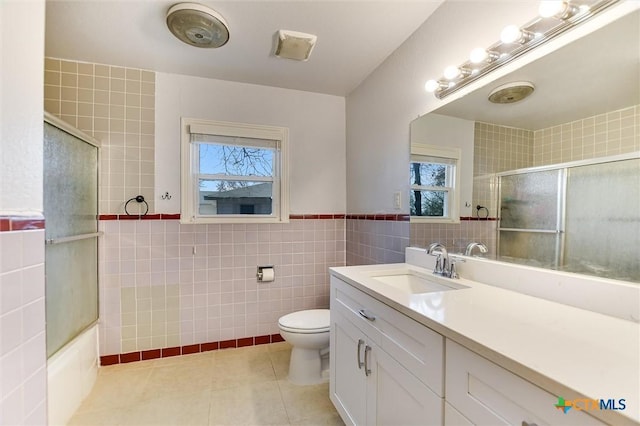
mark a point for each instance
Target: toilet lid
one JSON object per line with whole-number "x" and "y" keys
{"x": 309, "y": 321}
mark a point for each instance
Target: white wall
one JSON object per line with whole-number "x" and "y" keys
{"x": 316, "y": 125}
{"x": 23, "y": 378}
{"x": 436, "y": 129}
{"x": 380, "y": 109}
{"x": 21, "y": 99}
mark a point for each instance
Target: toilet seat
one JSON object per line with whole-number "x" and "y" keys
{"x": 306, "y": 322}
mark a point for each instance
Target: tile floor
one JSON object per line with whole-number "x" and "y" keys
{"x": 243, "y": 386}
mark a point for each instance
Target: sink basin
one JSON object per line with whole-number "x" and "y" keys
{"x": 414, "y": 282}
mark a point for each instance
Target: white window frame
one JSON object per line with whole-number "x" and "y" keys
{"x": 190, "y": 177}
{"x": 450, "y": 156}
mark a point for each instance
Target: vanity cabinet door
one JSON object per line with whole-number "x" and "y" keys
{"x": 348, "y": 382}
{"x": 399, "y": 398}
{"x": 487, "y": 394}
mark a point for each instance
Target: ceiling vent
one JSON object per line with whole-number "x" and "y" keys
{"x": 197, "y": 25}
{"x": 295, "y": 45}
{"x": 511, "y": 92}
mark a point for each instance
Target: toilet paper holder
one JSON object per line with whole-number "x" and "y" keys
{"x": 260, "y": 272}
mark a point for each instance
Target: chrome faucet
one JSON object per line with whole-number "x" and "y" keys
{"x": 471, "y": 246}
{"x": 442, "y": 259}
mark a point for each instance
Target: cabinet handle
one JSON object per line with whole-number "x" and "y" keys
{"x": 360, "y": 363}
{"x": 367, "y": 370}
{"x": 363, "y": 314}
{"x": 525, "y": 423}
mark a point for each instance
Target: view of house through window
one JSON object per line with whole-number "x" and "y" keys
{"x": 234, "y": 172}
{"x": 235, "y": 177}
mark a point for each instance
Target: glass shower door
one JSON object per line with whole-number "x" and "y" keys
{"x": 603, "y": 220}
{"x": 71, "y": 254}
{"x": 531, "y": 227}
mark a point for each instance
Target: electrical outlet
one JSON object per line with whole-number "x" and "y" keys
{"x": 397, "y": 200}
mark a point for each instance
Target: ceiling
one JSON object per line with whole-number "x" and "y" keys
{"x": 354, "y": 37}
{"x": 595, "y": 74}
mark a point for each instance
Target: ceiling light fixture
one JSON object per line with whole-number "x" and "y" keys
{"x": 197, "y": 25}
{"x": 555, "y": 18}
{"x": 511, "y": 92}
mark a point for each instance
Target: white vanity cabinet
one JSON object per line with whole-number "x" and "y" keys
{"x": 385, "y": 367}
{"x": 479, "y": 392}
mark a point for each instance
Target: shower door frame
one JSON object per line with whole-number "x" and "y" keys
{"x": 90, "y": 140}
{"x": 562, "y": 196}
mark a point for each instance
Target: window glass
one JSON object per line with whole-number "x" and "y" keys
{"x": 234, "y": 172}
{"x": 433, "y": 173}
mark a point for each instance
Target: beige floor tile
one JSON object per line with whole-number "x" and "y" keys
{"x": 239, "y": 367}
{"x": 243, "y": 386}
{"x": 186, "y": 409}
{"x": 255, "y": 404}
{"x": 277, "y": 347}
{"x": 304, "y": 403}
{"x": 331, "y": 419}
{"x": 178, "y": 379}
{"x": 117, "y": 389}
{"x": 280, "y": 361}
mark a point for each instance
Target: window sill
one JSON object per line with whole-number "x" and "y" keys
{"x": 231, "y": 219}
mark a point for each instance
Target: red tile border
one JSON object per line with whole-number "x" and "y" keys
{"x": 189, "y": 349}
{"x": 212, "y": 346}
{"x": 226, "y": 344}
{"x": 109, "y": 360}
{"x": 262, "y": 340}
{"x": 479, "y": 218}
{"x": 168, "y": 352}
{"x": 387, "y": 217}
{"x": 130, "y": 357}
{"x": 247, "y": 341}
{"x": 275, "y": 338}
{"x": 167, "y": 216}
{"x": 151, "y": 354}
{"x": 21, "y": 223}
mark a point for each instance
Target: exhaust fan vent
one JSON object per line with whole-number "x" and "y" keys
{"x": 197, "y": 25}
{"x": 511, "y": 92}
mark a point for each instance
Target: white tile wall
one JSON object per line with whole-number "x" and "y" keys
{"x": 376, "y": 241}
{"x": 116, "y": 106}
{"x": 164, "y": 284}
{"x": 23, "y": 375}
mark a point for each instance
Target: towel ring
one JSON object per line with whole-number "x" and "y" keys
{"x": 138, "y": 199}
{"x": 478, "y": 208}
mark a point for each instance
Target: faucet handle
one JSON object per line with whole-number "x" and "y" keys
{"x": 452, "y": 273}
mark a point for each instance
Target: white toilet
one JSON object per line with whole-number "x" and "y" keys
{"x": 308, "y": 333}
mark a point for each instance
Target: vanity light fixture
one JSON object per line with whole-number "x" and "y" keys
{"x": 558, "y": 9}
{"x": 555, "y": 17}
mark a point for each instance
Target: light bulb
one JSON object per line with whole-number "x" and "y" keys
{"x": 478, "y": 55}
{"x": 431, "y": 86}
{"x": 510, "y": 34}
{"x": 451, "y": 72}
{"x": 549, "y": 8}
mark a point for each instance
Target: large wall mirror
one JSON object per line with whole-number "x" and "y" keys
{"x": 554, "y": 181}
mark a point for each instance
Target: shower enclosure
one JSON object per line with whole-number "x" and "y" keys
{"x": 71, "y": 251}
{"x": 583, "y": 217}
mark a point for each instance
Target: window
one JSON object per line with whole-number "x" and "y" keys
{"x": 234, "y": 173}
{"x": 433, "y": 178}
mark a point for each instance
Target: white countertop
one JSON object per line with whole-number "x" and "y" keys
{"x": 570, "y": 352}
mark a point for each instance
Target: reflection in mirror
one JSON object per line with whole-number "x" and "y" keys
{"x": 585, "y": 110}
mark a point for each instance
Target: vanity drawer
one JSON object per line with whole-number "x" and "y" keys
{"x": 487, "y": 394}
{"x": 416, "y": 347}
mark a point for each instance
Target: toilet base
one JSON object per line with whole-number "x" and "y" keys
{"x": 307, "y": 367}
